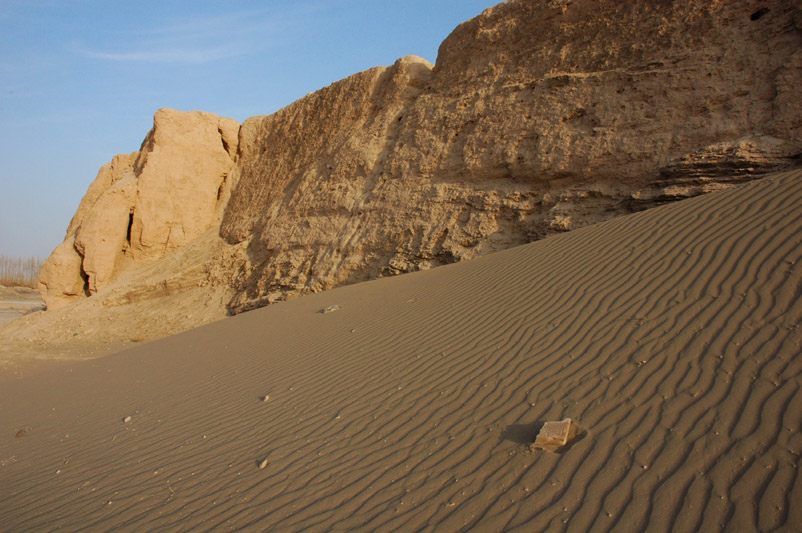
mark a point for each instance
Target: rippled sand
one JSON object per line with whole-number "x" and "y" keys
{"x": 671, "y": 336}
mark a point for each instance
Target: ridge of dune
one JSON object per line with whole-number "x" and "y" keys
{"x": 536, "y": 118}
{"x": 671, "y": 336}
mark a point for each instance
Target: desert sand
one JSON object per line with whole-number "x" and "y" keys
{"x": 18, "y": 301}
{"x": 671, "y": 336}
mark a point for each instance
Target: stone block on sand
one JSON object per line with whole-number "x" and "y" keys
{"x": 555, "y": 435}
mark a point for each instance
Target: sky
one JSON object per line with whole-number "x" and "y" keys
{"x": 81, "y": 79}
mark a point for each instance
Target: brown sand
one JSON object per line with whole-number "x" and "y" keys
{"x": 121, "y": 317}
{"x": 671, "y": 336}
{"x": 18, "y": 301}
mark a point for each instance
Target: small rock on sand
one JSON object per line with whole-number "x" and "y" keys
{"x": 126, "y": 419}
{"x": 555, "y": 435}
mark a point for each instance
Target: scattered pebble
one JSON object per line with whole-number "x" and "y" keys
{"x": 127, "y": 419}
{"x": 331, "y": 309}
{"x": 265, "y": 397}
{"x": 22, "y": 432}
{"x": 263, "y": 463}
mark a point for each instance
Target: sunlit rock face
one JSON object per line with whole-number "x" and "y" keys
{"x": 538, "y": 117}
{"x": 145, "y": 205}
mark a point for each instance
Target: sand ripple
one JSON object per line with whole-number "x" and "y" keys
{"x": 671, "y": 336}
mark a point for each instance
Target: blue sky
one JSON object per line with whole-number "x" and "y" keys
{"x": 81, "y": 79}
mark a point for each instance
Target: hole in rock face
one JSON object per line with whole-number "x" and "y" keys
{"x": 759, "y": 13}
{"x": 226, "y": 147}
{"x": 85, "y": 279}
{"x": 130, "y": 224}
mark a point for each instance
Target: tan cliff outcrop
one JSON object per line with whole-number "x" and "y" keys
{"x": 181, "y": 172}
{"x": 537, "y": 117}
{"x": 143, "y": 206}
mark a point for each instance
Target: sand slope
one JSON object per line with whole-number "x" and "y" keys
{"x": 671, "y": 335}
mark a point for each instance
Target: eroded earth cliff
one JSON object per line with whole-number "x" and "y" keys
{"x": 538, "y": 117}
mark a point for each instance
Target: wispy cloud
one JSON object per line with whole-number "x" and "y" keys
{"x": 175, "y": 55}
{"x": 191, "y": 41}
{"x": 199, "y": 27}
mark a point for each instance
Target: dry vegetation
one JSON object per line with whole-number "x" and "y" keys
{"x": 19, "y": 271}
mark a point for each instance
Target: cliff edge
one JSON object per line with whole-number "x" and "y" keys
{"x": 538, "y": 117}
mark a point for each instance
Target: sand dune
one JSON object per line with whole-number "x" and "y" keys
{"x": 671, "y": 336}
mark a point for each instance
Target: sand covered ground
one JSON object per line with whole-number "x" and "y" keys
{"x": 116, "y": 320}
{"x": 672, "y": 337}
{"x": 18, "y": 301}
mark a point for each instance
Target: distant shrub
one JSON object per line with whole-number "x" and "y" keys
{"x": 20, "y": 271}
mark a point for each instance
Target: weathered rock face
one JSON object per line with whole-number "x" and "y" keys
{"x": 144, "y": 205}
{"x": 102, "y": 237}
{"x": 61, "y": 280}
{"x": 181, "y": 171}
{"x": 599, "y": 91}
{"x": 539, "y": 116}
{"x": 65, "y": 274}
{"x": 307, "y": 176}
